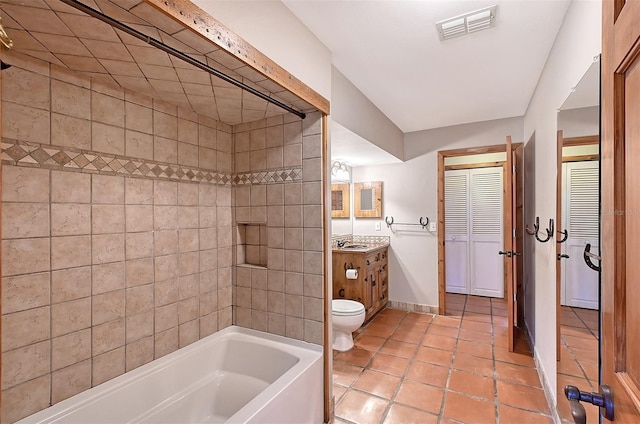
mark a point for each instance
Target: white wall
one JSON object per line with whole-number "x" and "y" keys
{"x": 410, "y": 191}
{"x": 353, "y": 110}
{"x": 579, "y": 122}
{"x": 277, "y": 33}
{"x": 578, "y": 41}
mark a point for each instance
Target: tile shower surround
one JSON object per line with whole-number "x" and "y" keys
{"x": 118, "y": 225}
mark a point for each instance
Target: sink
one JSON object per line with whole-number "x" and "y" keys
{"x": 356, "y": 246}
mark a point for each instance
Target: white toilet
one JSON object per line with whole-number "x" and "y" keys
{"x": 347, "y": 317}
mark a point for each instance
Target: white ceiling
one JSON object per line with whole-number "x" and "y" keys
{"x": 587, "y": 92}
{"x": 349, "y": 147}
{"x": 391, "y": 51}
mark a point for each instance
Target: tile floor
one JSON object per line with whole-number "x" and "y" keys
{"x": 414, "y": 368}
{"x": 578, "y": 363}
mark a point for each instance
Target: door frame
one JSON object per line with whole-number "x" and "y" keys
{"x": 442, "y": 154}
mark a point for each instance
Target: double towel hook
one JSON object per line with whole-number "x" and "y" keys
{"x": 550, "y": 230}
{"x": 587, "y": 255}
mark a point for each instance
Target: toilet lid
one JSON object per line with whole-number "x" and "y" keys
{"x": 346, "y": 307}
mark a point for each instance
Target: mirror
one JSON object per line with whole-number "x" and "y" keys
{"x": 340, "y": 204}
{"x": 368, "y": 199}
{"x": 578, "y": 213}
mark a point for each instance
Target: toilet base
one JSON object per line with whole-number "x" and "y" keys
{"x": 342, "y": 341}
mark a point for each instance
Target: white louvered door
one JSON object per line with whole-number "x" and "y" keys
{"x": 473, "y": 238}
{"x": 580, "y": 216}
{"x": 486, "y": 218}
{"x": 456, "y": 207}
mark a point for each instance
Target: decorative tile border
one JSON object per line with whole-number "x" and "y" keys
{"x": 37, "y": 155}
{"x": 413, "y": 307}
{"x": 358, "y": 239}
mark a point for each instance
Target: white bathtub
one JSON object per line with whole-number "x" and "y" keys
{"x": 236, "y": 375}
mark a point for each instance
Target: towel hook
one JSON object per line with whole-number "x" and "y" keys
{"x": 565, "y": 234}
{"x": 5, "y": 40}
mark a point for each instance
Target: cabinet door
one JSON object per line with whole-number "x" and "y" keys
{"x": 369, "y": 287}
{"x": 383, "y": 288}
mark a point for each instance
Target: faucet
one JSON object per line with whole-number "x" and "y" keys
{"x": 341, "y": 243}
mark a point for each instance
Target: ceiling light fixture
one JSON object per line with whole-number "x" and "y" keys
{"x": 467, "y": 23}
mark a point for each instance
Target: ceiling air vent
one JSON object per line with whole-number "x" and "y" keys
{"x": 467, "y": 23}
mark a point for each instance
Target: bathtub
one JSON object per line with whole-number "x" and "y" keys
{"x": 236, "y": 375}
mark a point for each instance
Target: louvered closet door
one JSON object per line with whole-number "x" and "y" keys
{"x": 486, "y": 229}
{"x": 580, "y": 216}
{"x": 456, "y": 245}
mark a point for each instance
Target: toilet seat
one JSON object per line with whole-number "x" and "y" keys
{"x": 343, "y": 307}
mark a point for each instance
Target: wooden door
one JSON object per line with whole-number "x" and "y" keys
{"x": 559, "y": 226}
{"x": 620, "y": 248}
{"x": 518, "y": 217}
{"x": 509, "y": 242}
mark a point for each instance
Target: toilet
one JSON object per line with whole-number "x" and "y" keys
{"x": 347, "y": 317}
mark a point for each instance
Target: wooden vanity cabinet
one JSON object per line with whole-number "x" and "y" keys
{"x": 371, "y": 288}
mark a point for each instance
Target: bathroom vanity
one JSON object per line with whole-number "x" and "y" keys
{"x": 371, "y": 286}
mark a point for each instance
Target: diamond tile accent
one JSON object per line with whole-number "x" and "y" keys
{"x": 53, "y": 157}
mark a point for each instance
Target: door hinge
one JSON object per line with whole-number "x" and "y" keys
{"x": 514, "y": 169}
{"x": 514, "y": 233}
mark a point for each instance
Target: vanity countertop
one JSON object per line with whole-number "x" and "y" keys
{"x": 360, "y": 247}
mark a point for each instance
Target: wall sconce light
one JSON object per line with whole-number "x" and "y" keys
{"x": 340, "y": 171}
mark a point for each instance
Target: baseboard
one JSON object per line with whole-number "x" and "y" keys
{"x": 549, "y": 392}
{"x": 413, "y": 307}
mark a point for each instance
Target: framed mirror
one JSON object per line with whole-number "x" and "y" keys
{"x": 340, "y": 200}
{"x": 368, "y": 199}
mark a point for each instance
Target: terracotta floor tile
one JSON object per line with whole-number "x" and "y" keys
{"x": 338, "y": 392}
{"x": 473, "y": 364}
{"x": 471, "y": 384}
{"x": 508, "y": 414}
{"x": 585, "y": 355}
{"x": 377, "y": 383}
{"x": 500, "y": 321}
{"x": 388, "y": 319}
{"x": 584, "y": 332}
{"x": 379, "y": 330}
{"x": 523, "y": 397}
{"x": 480, "y": 309}
{"x": 564, "y": 410}
{"x": 474, "y": 316}
{"x": 390, "y": 364}
{"x": 400, "y": 414}
{"x": 580, "y": 342}
{"x": 427, "y": 373}
{"x": 475, "y": 336}
{"x": 442, "y": 330}
{"x": 360, "y": 407}
{"x": 344, "y": 373}
{"x": 591, "y": 370}
{"x": 482, "y": 327}
{"x": 502, "y": 341}
{"x": 440, "y": 342}
{"x": 355, "y": 356}
{"x": 469, "y": 410}
{"x": 416, "y": 317}
{"x": 398, "y": 348}
{"x": 483, "y": 350}
{"x": 408, "y": 335}
{"x": 502, "y": 354}
{"x": 517, "y": 374}
{"x": 393, "y": 312}
{"x": 569, "y": 366}
{"x": 372, "y": 343}
{"x": 446, "y": 321}
{"x": 421, "y": 396}
{"x": 434, "y": 356}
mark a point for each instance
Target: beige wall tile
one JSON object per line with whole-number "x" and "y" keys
{"x": 224, "y": 162}
{"x": 188, "y": 332}
{"x": 70, "y": 349}
{"x": 224, "y": 141}
{"x": 166, "y": 292}
{"x": 292, "y": 155}
{"x": 166, "y": 342}
{"x": 165, "y": 125}
{"x": 188, "y": 286}
{"x": 70, "y": 219}
{"x": 25, "y": 363}
{"x": 188, "y": 154}
{"x": 165, "y": 150}
{"x": 107, "y": 336}
{"x": 70, "y": 187}
{"x": 166, "y": 267}
{"x": 107, "y": 138}
{"x": 139, "y": 191}
{"x": 257, "y": 139}
{"x": 165, "y": 242}
{"x": 166, "y": 317}
{"x": 207, "y": 158}
{"x": 208, "y": 259}
{"x": 313, "y": 285}
{"x": 242, "y": 162}
{"x": 294, "y": 327}
{"x": 258, "y": 320}
{"x": 293, "y": 260}
{"x": 293, "y": 238}
{"x": 292, "y": 133}
{"x": 188, "y": 217}
{"x": 313, "y": 332}
{"x": 25, "y": 292}
{"x": 312, "y": 169}
{"x": 293, "y": 216}
{"x": 312, "y": 308}
{"x": 70, "y": 316}
{"x": 188, "y": 263}
{"x": 275, "y": 158}
{"x": 311, "y": 193}
{"x": 207, "y": 195}
{"x": 139, "y": 272}
{"x": 165, "y": 193}
{"x": 24, "y": 184}
{"x": 312, "y": 216}
{"x": 70, "y": 381}
{"x": 241, "y": 141}
{"x": 276, "y": 324}
{"x": 139, "y": 245}
{"x": 108, "y": 365}
{"x": 207, "y": 216}
{"x": 208, "y": 281}
{"x": 70, "y": 284}
{"x": 275, "y": 136}
{"x": 207, "y": 137}
{"x": 275, "y": 194}
{"x": 313, "y": 239}
{"x": 139, "y": 218}
{"x": 22, "y": 256}
{"x": 25, "y": 399}
{"x": 209, "y": 323}
{"x": 108, "y": 277}
{"x": 25, "y": 123}
{"x": 312, "y": 125}
{"x": 292, "y": 193}
{"x": 139, "y": 326}
{"x": 108, "y": 189}
{"x": 138, "y": 145}
{"x": 70, "y": 131}
{"x": 138, "y": 118}
{"x": 139, "y": 299}
{"x": 107, "y": 248}
{"x": 139, "y": 353}
{"x": 26, "y": 327}
{"x": 312, "y": 262}
{"x": 22, "y": 220}
{"x": 188, "y": 309}
{"x": 70, "y": 99}
{"x": 107, "y": 307}
{"x": 208, "y": 302}
{"x": 188, "y": 240}
{"x": 187, "y": 131}
{"x": 165, "y": 217}
{"x": 26, "y": 88}
{"x": 257, "y": 160}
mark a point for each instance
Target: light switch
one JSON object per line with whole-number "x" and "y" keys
{"x": 377, "y": 226}
{"x": 432, "y": 226}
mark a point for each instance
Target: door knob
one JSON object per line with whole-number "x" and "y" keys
{"x": 507, "y": 253}
{"x": 562, "y": 255}
{"x": 604, "y": 400}
{"x": 514, "y": 253}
